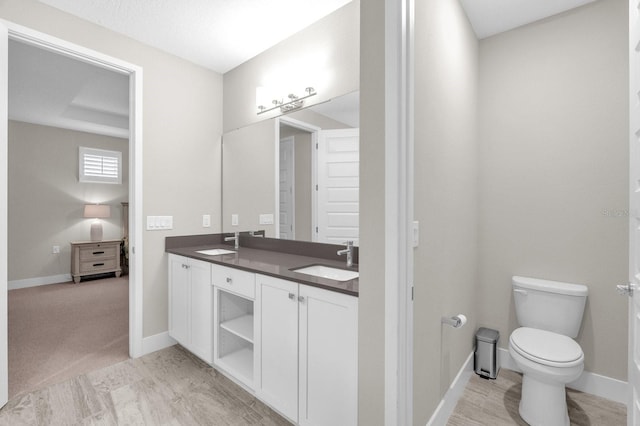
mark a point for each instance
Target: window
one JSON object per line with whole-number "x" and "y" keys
{"x": 100, "y": 166}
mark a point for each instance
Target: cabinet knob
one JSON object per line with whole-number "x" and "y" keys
{"x": 301, "y": 299}
{"x": 229, "y": 280}
{"x": 185, "y": 266}
{"x": 292, "y": 296}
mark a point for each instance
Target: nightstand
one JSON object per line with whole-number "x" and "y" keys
{"x": 95, "y": 257}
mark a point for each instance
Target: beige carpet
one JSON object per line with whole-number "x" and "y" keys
{"x": 59, "y": 331}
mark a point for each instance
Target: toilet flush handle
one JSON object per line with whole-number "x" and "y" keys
{"x": 520, "y": 291}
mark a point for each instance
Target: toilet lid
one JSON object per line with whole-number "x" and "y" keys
{"x": 546, "y": 347}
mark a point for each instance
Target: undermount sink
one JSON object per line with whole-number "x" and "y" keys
{"x": 215, "y": 252}
{"x": 322, "y": 271}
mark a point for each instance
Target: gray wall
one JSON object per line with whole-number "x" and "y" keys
{"x": 249, "y": 177}
{"x": 371, "y": 324}
{"x": 446, "y": 199}
{"x": 554, "y": 161}
{"x": 181, "y": 129}
{"x": 46, "y": 200}
{"x": 324, "y": 55}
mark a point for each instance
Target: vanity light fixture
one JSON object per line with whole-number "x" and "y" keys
{"x": 294, "y": 102}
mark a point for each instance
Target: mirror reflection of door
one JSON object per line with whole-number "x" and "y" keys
{"x": 287, "y": 190}
{"x": 318, "y": 183}
{"x": 338, "y": 186}
{"x": 296, "y": 189}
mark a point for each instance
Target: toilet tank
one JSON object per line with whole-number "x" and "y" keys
{"x": 549, "y": 305}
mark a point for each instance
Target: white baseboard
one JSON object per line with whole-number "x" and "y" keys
{"x": 592, "y": 383}
{"x": 156, "y": 342}
{"x": 448, "y": 404}
{"x": 34, "y": 282}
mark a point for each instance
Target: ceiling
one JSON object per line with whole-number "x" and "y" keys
{"x": 491, "y": 17}
{"x": 217, "y": 34}
{"x": 57, "y": 91}
{"x": 54, "y": 90}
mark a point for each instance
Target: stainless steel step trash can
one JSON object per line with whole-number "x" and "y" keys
{"x": 486, "y": 354}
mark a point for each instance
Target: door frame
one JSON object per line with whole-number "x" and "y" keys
{"x": 58, "y": 46}
{"x": 292, "y": 122}
{"x": 634, "y": 173}
{"x": 399, "y": 210}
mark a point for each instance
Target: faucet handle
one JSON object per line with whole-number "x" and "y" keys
{"x": 348, "y": 243}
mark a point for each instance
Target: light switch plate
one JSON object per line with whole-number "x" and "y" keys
{"x": 266, "y": 219}
{"x": 157, "y": 223}
{"x": 416, "y": 233}
{"x": 234, "y": 220}
{"x": 206, "y": 221}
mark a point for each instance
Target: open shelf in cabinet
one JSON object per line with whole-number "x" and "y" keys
{"x": 234, "y": 331}
{"x": 240, "y": 326}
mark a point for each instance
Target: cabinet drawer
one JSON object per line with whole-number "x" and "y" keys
{"x": 98, "y": 265}
{"x": 97, "y": 252}
{"x": 234, "y": 280}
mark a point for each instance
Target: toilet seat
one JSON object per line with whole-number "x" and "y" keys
{"x": 546, "y": 348}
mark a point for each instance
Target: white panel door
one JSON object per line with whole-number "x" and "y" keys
{"x": 633, "y": 411}
{"x": 4, "y": 95}
{"x": 278, "y": 343}
{"x": 338, "y": 186}
{"x": 328, "y": 358}
{"x": 287, "y": 189}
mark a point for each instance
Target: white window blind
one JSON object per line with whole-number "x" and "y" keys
{"x": 100, "y": 166}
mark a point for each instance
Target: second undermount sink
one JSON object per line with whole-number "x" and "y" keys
{"x": 215, "y": 252}
{"x": 323, "y": 271}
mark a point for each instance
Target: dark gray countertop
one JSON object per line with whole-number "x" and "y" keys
{"x": 273, "y": 263}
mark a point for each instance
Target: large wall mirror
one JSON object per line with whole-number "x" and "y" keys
{"x": 295, "y": 176}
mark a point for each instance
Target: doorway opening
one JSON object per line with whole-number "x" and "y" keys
{"x": 133, "y": 76}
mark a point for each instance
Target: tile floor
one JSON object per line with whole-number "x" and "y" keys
{"x": 172, "y": 387}
{"x": 495, "y": 403}
{"x": 168, "y": 387}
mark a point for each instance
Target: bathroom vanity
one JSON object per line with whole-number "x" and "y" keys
{"x": 288, "y": 337}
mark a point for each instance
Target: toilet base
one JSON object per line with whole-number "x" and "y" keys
{"x": 543, "y": 404}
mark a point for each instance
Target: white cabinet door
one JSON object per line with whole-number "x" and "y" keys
{"x": 328, "y": 358}
{"x": 278, "y": 345}
{"x": 191, "y": 305}
{"x": 201, "y": 304}
{"x": 179, "y": 299}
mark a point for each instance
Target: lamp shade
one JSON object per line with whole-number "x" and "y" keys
{"x": 97, "y": 210}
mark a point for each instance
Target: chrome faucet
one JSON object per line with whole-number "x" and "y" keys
{"x": 349, "y": 252}
{"x": 235, "y": 238}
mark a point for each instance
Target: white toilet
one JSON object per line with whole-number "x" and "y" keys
{"x": 550, "y": 315}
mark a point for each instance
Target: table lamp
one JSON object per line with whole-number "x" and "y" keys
{"x": 97, "y": 211}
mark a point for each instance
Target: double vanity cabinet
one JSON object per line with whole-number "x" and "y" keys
{"x": 294, "y": 345}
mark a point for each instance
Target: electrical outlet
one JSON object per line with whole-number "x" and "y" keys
{"x": 206, "y": 221}
{"x": 55, "y": 250}
{"x": 234, "y": 220}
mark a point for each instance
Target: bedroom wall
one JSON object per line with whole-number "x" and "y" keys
{"x": 46, "y": 199}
